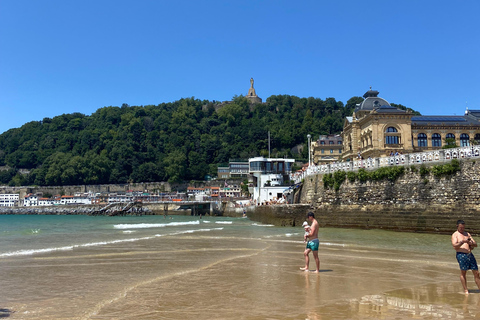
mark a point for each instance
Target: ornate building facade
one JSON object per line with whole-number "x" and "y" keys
{"x": 377, "y": 129}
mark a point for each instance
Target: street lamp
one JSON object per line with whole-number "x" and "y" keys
{"x": 309, "y": 136}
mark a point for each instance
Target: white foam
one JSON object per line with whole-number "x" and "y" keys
{"x": 197, "y": 230}
{"x": 33, "y": 251}
{"x": 94, "y": 244}
{"x": 129, "y": 231}
{"x": 223, "y": 222}
{"x": 332, "y": 244}
{"x": 153, "y": 225}
{"x": 262, "y": 225}
{"x": 204, "y": 221}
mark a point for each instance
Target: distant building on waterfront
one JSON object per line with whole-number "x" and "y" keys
{"x": 30, "y": 200}
{"x": 9, "y": 199}
{"x": 327, "y": 149}
{"x": 378, "y": 129}
{"x": 226, "y": 191}
{"x": 236, "y": 168}
{"x": 269, "y": 178}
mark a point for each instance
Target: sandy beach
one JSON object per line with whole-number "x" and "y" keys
{"x": 237, "y": 269}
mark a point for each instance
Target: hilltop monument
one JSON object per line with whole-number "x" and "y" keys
{"x": 252, "y": 95}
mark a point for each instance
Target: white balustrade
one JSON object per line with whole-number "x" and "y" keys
{"x": 397, "y": 160}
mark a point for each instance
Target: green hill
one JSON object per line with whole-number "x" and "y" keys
{"x": 181, "y": 140}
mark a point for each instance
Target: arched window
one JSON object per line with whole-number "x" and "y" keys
{"x": 450, "y": 139}
{"x": 477, "y": 138}
{"x": 390, "y": 137}
{"x": 422, "y": 140}
{"x": 464, "y": 140}
{"x": 436, "y": 140}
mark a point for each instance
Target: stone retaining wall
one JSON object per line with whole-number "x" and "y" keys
{"x": 411, "y": 203}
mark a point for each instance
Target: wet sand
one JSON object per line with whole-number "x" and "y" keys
{"x": 222, "y": 275}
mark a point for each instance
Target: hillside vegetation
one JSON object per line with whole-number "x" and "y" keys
{"x": 181, "y": 140}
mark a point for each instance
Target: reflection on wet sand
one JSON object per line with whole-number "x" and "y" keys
{"x": 432, "y": 301}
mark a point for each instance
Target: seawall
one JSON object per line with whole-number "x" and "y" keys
{"x": 413, "y": 202}
{"x": 288, "y": 215}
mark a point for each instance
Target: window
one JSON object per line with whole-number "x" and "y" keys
{"x": 422, "y": 140}
{"x": 339, "y": 150}
{"x": 450, "y": 139}
{"x": 322, "y": 142}
{"x": 436, "y": 140}
{"x": 331, "y": 150}
{"x": 477, "y": 138}
{"x": 331, "y": 142}
{"x": 392, "y": 139}
{"x": 323, "y": 151}
{"x": 464, "y": 140}
{"x": 339, "y": 142}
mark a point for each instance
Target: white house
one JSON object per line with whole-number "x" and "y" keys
{"x": 9, "y": 199}
{"x": 30, "y": 200}
{"x": 46, "y": 202}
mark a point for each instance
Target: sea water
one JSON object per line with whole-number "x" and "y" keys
{"x": 183, "y": 267}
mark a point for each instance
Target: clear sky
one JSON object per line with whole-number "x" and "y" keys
{"x": 60, "y": 56}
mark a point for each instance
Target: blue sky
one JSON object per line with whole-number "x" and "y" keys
{"x": 59, "y": 56}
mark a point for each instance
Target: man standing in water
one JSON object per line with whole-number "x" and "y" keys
{"x": 312, "y": 244}
{"x": 463, "y": 243}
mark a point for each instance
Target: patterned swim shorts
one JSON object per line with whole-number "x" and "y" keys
{"x": 467, "y": 261}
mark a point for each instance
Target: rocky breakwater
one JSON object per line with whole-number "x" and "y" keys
{"x": 420, "y": 199}
{"x": 63, "y": 210}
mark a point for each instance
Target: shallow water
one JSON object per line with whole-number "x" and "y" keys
{"x": 79, "y": 267}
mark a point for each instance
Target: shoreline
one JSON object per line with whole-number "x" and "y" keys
{"x": 390, "y": 218}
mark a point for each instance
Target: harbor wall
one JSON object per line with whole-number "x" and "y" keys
{"x": 413, "y": 202}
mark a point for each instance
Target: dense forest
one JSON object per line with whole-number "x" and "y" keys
{"x": 181, "y": 140}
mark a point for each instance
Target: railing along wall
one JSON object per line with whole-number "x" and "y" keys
{"x": 440, "y": 156}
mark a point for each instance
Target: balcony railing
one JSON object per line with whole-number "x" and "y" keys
{"x": 393, "y": 145}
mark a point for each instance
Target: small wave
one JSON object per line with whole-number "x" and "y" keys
{"x": 99, "y": 243}
{"x": 153, "y": 225}
{"x": 29, "y": 252}
{"x": 262, "y": 225}
{"x": 288, "y": 234}
{"x": 197, "y": 230}
{"x": 223, "y": 222}
{"x": 206, "y": 221}
{"x": 129, "y": 231}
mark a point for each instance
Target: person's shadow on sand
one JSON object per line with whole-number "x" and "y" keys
{"x": 5, "y": 313}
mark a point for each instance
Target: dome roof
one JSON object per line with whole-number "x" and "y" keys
{"x": 372, "y": 101}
